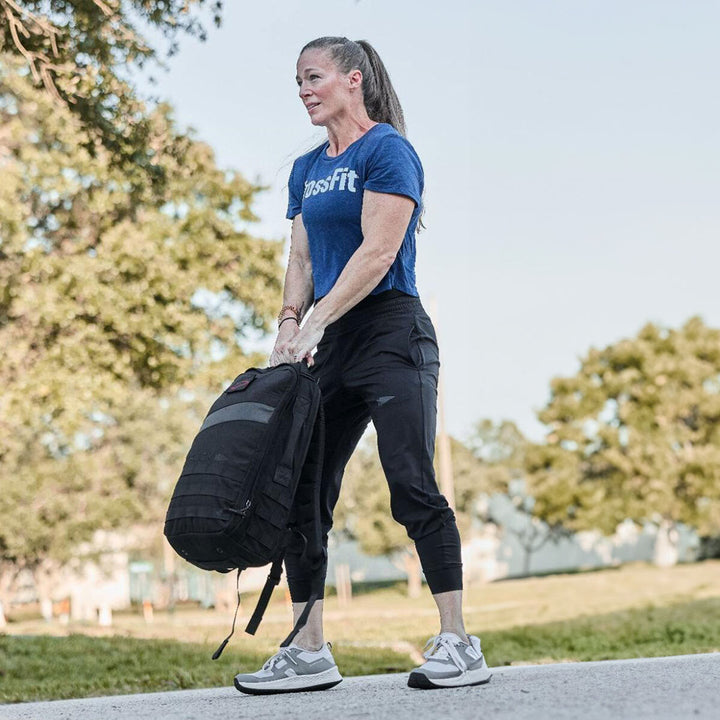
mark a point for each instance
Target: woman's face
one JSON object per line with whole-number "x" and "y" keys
{"x": 324, "y": 90}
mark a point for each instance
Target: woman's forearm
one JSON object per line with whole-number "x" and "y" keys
{"x": 299, "y": 286}
{"x": 362, "y": 274}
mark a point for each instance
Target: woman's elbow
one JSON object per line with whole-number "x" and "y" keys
{"x": 388, "y": 257}
{"x": 379, "y": 255}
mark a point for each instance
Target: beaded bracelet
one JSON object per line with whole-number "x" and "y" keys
{"x": 293, "y": 309}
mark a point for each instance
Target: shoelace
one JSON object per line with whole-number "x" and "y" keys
{"x": 283, "y": 654}
{"x": 442, "y": 647}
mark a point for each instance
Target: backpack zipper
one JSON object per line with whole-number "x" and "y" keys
{"x": 243, "y": 511}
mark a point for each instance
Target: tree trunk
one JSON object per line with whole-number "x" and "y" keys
{"x": 45, "y": 577}
{"x": 526, "y": 561}
{"x": 343, "y": 584}
{"x": 7, "y": 580}
{"x": 666, "y": 544}
{"x": 413, "y": 570}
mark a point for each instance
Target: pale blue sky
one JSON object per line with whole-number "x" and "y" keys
{"x": 572, "y": 159}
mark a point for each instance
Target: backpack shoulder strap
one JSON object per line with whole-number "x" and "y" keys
{"x": 307, "y": 498}
{"x": 307, "y": 515}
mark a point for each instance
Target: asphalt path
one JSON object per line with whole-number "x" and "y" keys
{"x": 686, "y": 686}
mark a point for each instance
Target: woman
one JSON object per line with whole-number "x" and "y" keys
{"x": 355, "y": 203}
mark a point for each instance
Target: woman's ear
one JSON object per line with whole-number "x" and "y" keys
{"x": 355, "y": 79}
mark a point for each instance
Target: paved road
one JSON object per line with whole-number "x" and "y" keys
{"x": 674, "y": 688}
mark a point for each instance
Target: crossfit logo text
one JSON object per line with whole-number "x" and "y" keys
{"x": 341, "y": 179}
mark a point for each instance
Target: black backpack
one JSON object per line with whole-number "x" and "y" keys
{"x": 252, "y": 479}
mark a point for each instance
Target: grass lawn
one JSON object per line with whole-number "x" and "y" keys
{"x": 681, "y": 629}
{"x": 635, "y": 611}
{"x": 52, "y": 668}
{"x": 45, "y": 667}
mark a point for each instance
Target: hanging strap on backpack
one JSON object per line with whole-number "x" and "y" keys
{"x": 270, "y": 584}
{"x": 267, "y": 591}
{"x": 224, "y": 643}
{"x": 301, "y": 621}
{"x": 262, "y": 603}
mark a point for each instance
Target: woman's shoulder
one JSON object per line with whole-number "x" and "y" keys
{"x": 389, "y": 146}
{"x": 383, "y": 131}
{"x": 386, "y": 136}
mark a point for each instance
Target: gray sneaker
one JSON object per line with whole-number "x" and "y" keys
{"x": 292, "y": 669}
{"x": 451, "y": 663}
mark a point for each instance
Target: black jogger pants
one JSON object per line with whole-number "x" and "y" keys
{"x": 380, "y": 362}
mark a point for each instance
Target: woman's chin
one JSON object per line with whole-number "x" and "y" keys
{"x": 317, "y": 119}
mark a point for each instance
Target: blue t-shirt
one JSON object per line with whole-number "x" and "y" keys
{"x": 328, "y": 191}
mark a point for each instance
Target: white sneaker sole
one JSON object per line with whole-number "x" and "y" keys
{"x": 469, "y": 677}
{"x": 297, "y": 683}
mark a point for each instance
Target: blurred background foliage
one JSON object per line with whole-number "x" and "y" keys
{"x": 131, "y": 284}
{"x": 132, "y": 288}
{"x": 634, "y": 434}
{"x": 86, "y": 54}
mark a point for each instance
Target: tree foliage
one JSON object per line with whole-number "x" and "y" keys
{"x": 500, "y": 448}
{"x": 83, "y": 55}
{"x": 503, "y": 449}
{"x": 106, "y": 338}
{"x": 634, "y": 434}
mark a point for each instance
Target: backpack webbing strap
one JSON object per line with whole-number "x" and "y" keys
{"x": 264, "y": 599}
{"x": 283, "y": 471}
{"x": 220, "y": 649}
{"x": 315, "y": 468}
{"x": 307, "y": 499}
{"x": 311, "y": 474}
{"x": 301, "y": 621}
{"x": 314, "y": 555}
{"x": 262, "y": 603}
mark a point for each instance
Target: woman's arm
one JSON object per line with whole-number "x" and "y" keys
{"x": 297, "y": 291}
{"x": 385, "y": 218}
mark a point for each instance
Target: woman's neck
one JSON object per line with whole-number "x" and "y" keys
{"x": 344, "y": 131}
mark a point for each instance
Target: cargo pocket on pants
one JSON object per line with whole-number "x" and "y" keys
{"x": 422, "y": 343}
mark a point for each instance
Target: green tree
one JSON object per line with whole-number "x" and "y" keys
{"x": 499, "y": 443}
{"x": 120, "y": 310}
{"x": 83, "y": 54}
{"x": 503, "y": 449}
{"x": 500, "y": 448}
{"x": 634, "y": 434}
